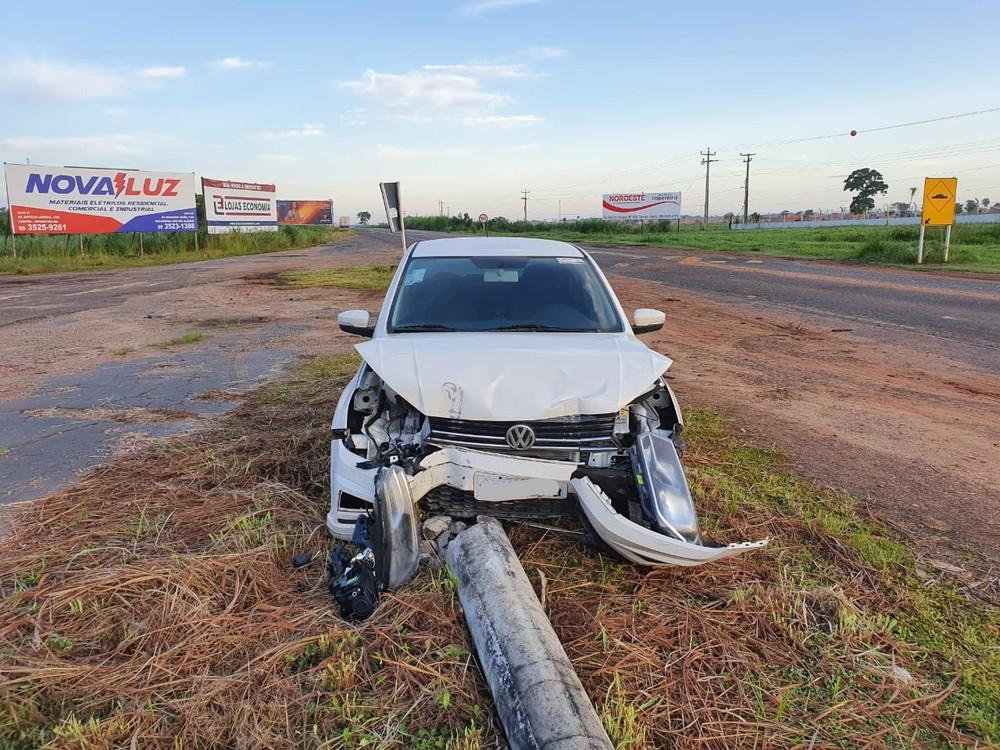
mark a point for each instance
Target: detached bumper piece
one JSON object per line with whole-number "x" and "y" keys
{"x": 495, "y": 478}
{"x": 641, "y": 545}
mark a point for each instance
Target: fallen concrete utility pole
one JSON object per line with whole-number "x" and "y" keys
{"x": 540, "y": 700}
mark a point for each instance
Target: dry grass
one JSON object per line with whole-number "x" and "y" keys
{"x": 155, "y": 602}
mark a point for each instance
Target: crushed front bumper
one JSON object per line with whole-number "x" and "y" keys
{"x": 494, "y": 477}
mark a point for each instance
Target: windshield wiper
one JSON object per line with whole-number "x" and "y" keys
{"x": 424, "y": 328}
{"x": 539, "y": 327}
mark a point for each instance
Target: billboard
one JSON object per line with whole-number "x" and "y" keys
{"x": 305, "y": 212}
{"x": 641, "y": 205}
{"x": 85, "y": 200}
{"x": 239, "y": 206}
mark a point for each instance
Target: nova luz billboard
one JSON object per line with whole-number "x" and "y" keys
{"x": 239, "y": 206}
{"x": 83, "y": 200}
{"x": 641, "y": 205}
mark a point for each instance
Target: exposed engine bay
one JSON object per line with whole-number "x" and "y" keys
{"x": 620, "y": 473}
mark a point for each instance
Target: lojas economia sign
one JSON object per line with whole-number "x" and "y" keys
{"x": 233, "y": 206}
{"x": 85, "y": 200}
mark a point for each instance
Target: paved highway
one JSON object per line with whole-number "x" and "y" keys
{"x": 947, "y": 314}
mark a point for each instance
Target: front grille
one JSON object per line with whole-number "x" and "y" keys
{"x": 563, "y": 438}
{"x": 445, "y": 500}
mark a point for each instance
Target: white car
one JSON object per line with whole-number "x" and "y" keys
{"x": 503, "y": 378}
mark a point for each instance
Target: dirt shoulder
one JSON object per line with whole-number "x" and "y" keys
{"x": 911, "y": 433}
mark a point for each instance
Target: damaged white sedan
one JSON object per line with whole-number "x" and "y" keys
{"x": 502, "y": 378}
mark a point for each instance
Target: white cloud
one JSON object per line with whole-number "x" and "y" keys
{"x": 308, "y": 130}
{"x": 238, "y": 63}
{"x": 499, "y": 70}
{"x": 425, "y": 90}
{"x": 278, "y": 158}
{"x": 501, "y": 122}
{"x": 521, "y": 148}
{"x": 392, "y": 153}
{"x": 163, "y": 71}
{"x": 46, "y": 79}
{"x": 544, "y": 53}
{"x": 115, "y": 143}
{"x": 485, "y": 6}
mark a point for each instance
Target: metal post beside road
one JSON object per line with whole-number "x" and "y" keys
{"x": 707, "y": 161}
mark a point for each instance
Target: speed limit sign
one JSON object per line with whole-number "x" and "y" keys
{"x": 483, "y": 218}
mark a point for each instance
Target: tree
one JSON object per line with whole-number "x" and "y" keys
{"x": 913, "y": 192}
{"x": 972, "y": 206}
{"x": 902, "y": 208}
{"x": 986, "y": 203}
{"x": 865, "y": 183}
{"x": 808, "y": 214}
{"x": 755, "y": 218}
{"x": 958, "y": 208}
{"x": 364, "y": 217}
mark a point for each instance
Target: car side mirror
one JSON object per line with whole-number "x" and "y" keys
{"x": 356, "y": 322}
{"x": 645, "y": 320}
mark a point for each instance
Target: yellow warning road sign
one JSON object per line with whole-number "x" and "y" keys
{"x": 939, "y": 201}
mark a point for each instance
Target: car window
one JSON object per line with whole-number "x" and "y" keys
{"x": 502, "y": 294}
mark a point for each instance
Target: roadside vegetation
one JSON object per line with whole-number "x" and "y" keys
{"x": 974, "y": 247}
{"x": 45, "y": 254}
{"x": 359, "y": 278}
{"x": 154, "y": 603}
{"x": 193, "y": 337}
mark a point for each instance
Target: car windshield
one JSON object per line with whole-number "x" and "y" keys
{"x": 502, "y": 294}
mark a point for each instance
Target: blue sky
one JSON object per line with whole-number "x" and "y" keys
{"x": 469, "y": 101}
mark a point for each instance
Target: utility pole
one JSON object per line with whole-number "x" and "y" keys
{"x": 746, "y": 188}
{"x": 560, "y": 210}
{"x": 440, "y": 208}
{"x": 524, "y": 197}
{"x": 707, "y": 161}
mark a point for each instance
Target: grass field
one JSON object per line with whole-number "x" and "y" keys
{"x": 358, "y": 278}
{"x": 974, "y": 247}
{"x": 155, "y": 604}
{"x": 109, "y": 251}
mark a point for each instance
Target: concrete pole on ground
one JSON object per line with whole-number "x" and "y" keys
{"x": 539, "y": 698}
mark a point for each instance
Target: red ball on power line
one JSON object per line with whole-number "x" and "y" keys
{"x": 854, "y": 132}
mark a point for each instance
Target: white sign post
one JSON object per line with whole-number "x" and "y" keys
{"x": 392, "y": 199}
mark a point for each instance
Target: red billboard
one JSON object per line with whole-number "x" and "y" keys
{"x": 306, "y": 212}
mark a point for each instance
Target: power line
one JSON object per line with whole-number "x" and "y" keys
{"x": 708, "y": 153}
{"x": 746, "y": 188}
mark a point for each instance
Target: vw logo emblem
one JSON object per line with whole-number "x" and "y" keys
{"x": 520, "y": 437}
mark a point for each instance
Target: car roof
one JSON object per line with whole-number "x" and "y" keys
{"x": 505, "y": 247}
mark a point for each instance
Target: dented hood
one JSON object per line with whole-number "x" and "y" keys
{"x": 514, "y": 376}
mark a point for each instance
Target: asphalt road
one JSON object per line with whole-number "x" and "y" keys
{"x": 950, "y": 315}
{"x": 36, "y": 297}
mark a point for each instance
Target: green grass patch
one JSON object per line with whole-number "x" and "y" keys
{"x": 192, "y": 337}
{"x": 40, "y": 254}
{"x": 359, "y": 278}
{"x": 974, "y": 247}
{"x": 121, "y": 352}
